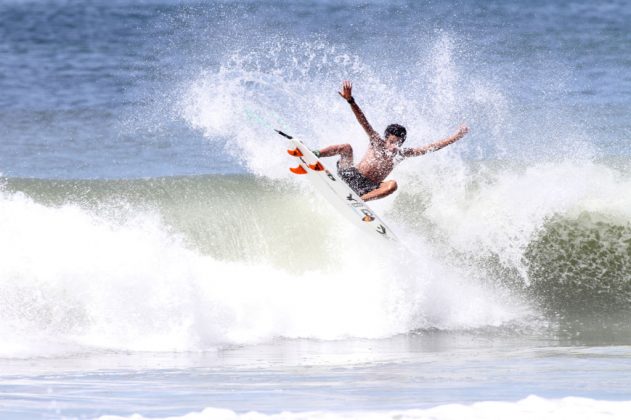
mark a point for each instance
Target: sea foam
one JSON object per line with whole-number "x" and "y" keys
{"x": 75, "y": 279}
{"x": 532, "y": 407}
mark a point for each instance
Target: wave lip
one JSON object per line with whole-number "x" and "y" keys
{"x": 198, "y": 263}
{"x": 101, "y": 267}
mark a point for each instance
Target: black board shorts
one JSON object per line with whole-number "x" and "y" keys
{"x": 358, "y": 183}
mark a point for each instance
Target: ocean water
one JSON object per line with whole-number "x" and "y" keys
{"x": 157, "y": 258}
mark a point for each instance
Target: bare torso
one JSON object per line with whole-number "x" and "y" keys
{"x": 378, "y": 162}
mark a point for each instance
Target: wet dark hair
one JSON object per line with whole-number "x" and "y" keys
{"x": 397, "y": 130}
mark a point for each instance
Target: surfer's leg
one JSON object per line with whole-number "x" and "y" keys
{"x": 385, "y": 188}
{"x": 344, "y": 150}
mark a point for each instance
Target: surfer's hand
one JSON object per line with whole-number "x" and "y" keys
{"x": 347, "y": 90}
{"x": 462, "y": 130}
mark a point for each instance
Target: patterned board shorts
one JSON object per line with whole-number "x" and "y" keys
{"x": 358, "y": 182}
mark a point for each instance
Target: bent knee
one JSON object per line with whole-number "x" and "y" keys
{"x": 346, "y": 148}
{"x": 391, "y": 186}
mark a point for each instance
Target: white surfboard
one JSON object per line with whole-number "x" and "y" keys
{"x": 336, "y": 191}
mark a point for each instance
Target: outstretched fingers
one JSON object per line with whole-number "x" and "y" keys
{"x": 347, "y": 89}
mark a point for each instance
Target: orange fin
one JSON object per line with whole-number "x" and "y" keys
{"x": 296, "y": 152}
{"x": 298, "y": 170}
{"x": 317, "y": 166}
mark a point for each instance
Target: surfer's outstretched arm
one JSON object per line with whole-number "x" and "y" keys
{"x": 346, "y": 93}
{"x": 418, "y": 151}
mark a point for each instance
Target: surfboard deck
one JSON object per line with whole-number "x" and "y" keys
{"x": 336, "y": 191}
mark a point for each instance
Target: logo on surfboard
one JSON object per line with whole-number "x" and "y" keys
{"x": 368, "y": 215}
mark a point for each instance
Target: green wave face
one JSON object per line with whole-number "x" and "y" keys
{"x": 580, "y": 270}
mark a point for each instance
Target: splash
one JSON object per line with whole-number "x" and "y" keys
{"x": 296, "y": 83}
{"x": 74, "y": 280}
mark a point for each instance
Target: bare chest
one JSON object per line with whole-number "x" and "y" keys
{"x": 376, "y": 164}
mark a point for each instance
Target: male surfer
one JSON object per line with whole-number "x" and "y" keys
{"x": 367, "y": 178}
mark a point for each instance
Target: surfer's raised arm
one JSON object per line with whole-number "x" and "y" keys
{"x": 368, "y": 178}
{"x": 418, "y": 151}
{"x": 346, "y": 93}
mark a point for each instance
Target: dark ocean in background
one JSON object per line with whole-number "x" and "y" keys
{"x": 97, "y": 89}
{"x": 152, "y": 238}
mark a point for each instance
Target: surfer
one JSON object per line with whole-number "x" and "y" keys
{"x": 368, "y": 178}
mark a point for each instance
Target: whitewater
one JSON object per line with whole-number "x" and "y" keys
{"x": 159, "y": 260}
